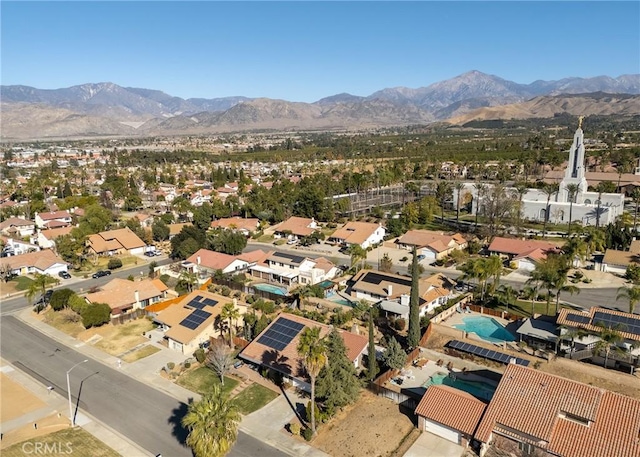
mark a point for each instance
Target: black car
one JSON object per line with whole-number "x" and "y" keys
{"x": 64, "y": 275}
{"x": 100, "y": 274}
{"x": 150, "y": 253}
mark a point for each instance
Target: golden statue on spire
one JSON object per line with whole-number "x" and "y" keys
{"x": 580, "y": 118}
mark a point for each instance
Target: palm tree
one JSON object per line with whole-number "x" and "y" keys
{"x": 443, "y": 190}
{"x": 481, "y": 188}
{"x": 508, "y": 294}
{"x": 609, "y": 339}
{"x": 560, "y": 284}
{"x": 572, "y": 192}
{"x": 190, "y": 278}
{"x": 520, "y": 191}
{"x": 230, "y": 313}
{"x": 549, "y": 190}
{"x": 573, "y": 333}
{"x": 530, "y": 292}
{"x": 459, "y": 187}
{"x": 313, "y": 351}
{"x": 545, "y": 275}
{"x": 493, "y": 266}
{"x": 630, "y": 293}
{"x": 212, "y": 423}
{"x": 38, "y": 285}
{"x": 357, "y": 254}
{"x": 635, "y": 195}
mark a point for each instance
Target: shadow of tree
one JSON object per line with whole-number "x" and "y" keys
{"x": 175, "y": 420}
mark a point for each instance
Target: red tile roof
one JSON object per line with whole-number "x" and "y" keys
{"x": 516, "y": 246}
{"x": 54, "y": 215}
{"x": 212, "y": 259}
{"x": 591, "y": 324}
{"x": 451, "y": 407}
{"x": 566, "y": 417}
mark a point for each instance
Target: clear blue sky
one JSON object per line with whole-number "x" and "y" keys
{"x": 306, "y": 51}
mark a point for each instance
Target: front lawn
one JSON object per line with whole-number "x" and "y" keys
{"x": 73, "y": 441}
{"x": 56, "y": 320}
{"x": 202, "y": 379}
{"x": 22, "y": 282}
{"x": 117, "y": 339}
{"x": 523, "y": 308}
{"x": 253, "y": 398}
{"x": 140, "y": 353}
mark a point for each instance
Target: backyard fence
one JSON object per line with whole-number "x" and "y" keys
{"x": 493, "y": 312}
{"x": 123, "y": 318}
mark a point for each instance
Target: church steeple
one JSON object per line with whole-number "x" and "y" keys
{"x": 574, "y": 174}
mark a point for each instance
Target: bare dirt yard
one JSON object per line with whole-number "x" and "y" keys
{"x": 116, "y": 339}
{"x": 16, "y": 400}
{"x": 374, "y": 426}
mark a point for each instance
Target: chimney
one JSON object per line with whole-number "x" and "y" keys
{"x": 136, "y": 305}
{"x": 389, "y": 290}
{"x": 198, "y": 260}
{"x": 404, "y": 300}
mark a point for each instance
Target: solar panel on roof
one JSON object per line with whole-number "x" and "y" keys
{"x": 210, "y": 302}
{"x": 578, "y": 318}
{"x": 377, "y": 278}
{"x": 291, "y": 257}
{"x": 193, "y": 320}
{"x": 280, "y": 334}
{"x": 485, "y": 353}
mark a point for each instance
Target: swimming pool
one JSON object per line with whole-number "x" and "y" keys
{"x": 269, "y": 288}
{"x": 342, "y": 301}
{"x": 478, "y": 389}
{"x": 486, "y": 328}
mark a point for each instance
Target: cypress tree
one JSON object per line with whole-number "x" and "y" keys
{"x": 414, "y": 311}
{"x": 372, "y": 368}
{"x": 338, "y": 384}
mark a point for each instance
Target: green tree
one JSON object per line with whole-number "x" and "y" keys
{"x": 160, "y": 230}
{"x": 609, "y": 339}
{"x": 413, "y": 338}
{"x": 386, "y": 264}
{"x": 313, "y": 351}
{"x": 546, "y": 273}
{"x": 95, "y": 314}
{"x": 188, "y": 279}
{"x": 39, "y": 285}
{"x": 530, "y": 292}
{"x": 212, "y": 423}
{"x": 227, "y": 241}
{"x": 549, "y": 190}
{"x": 230, "y": 313}
{"x": 372, "y": 363}
{"x": 507, "y": 295}
{"x": 443, "y": 192}
{"x": 394, "y": 357}
{"x": 632, "y": 294}
{"x": 459, "y": 187}
{"x": 60, "y": 298}
{"x": 338, "y": 384}
{"x": 357, "y": 254}
{"x": 635, "y": 196}
{"x": 560, "y": 285}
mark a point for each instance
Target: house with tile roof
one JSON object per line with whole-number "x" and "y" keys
{"x": 193, "y": 320}
{"x": 17, "y": 227}
{"x": 524, "y": 253}
{"x": 123, "y": 295}
{"x": 616, "y": 261}
{"x": 46, "y": 239}
{"x": 295, "y": 228}
{"x": 53, "y": 219}
{"x": 14, "y": 246}
{"x": 44, "y": 262}
{"x": 276, "y": 348}
{"x": 450, "y": 413}
{"x": 533, "y": 411}
{"x": 433, "y": 245}
{"x": 245, "y": 226}
{"x": 376, "y": 286}
{"x": 363, "y": 234}
{"x": 291, "y": 269}
{"x": 206, "y": 262}
{"x": 119, "y": 241}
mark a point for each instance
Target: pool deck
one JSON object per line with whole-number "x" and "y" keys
{"x": 457, "y": 319}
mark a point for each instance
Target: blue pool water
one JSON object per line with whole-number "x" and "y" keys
{"x": 486, "y": 328}
{"x": 342, "y": 301}
{"x": 478, "y": 389}
{"x": 269, "y": 288}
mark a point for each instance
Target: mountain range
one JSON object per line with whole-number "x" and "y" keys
{"x": 109, "y": 109}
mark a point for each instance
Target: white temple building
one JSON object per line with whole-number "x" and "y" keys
{"x": 585, "y": 204}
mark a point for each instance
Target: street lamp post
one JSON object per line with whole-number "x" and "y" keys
{"x": 71, "y": 415}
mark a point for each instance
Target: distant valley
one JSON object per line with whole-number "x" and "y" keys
{"x": 107, "y": 109}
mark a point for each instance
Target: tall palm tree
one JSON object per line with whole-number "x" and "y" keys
{"x": 481, "y": 188}
{"x": 313, "y": 351}
{"x": 357, "y": 254}
{"x": 190, "y": 278}
{"x": 545, "y": 274}
{"x": 549, "y": 190}
{"x": 530, "y": 292}
{"x": 560, "y": 284}
{"x": 508, "y": 294}
{"x": 212, "y": 423}
{"x": 493, "y": 266}
{"x": 609, "y": 339}
{"x": 635, "y": 195}
{"x": 520, "y": 191}
{"x": 572, "y": 192}
{"x": 630, "y": 293}
{"x": 443, "y": 190}
{"x": 458, "y": 187}
{"x": 230, "y": 313}
{"x": 38, "y": 286}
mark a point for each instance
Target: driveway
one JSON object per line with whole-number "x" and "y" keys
{"x": 431, "y": 445}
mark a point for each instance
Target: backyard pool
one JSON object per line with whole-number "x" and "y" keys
{"x": 342, "y": 301}
{"x": 269, "y": 288}
{"x": 478, "y": 389}
{"x": 486, "y": 328}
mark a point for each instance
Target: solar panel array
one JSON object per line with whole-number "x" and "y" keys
{"x": 199, "y": 302}
{"x": 290, "y": 257}
{"x": 195, "y": 319}
{"x": 579, "y": 318}
{"x": 376, "y": 278}
{"x": 486, "y": 353}
{"x": 280, "y": 334}
{"x": 620, "y": 323}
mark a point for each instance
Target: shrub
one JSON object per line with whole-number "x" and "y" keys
{"x": 131, "y": 278}
{"x": 225, "y": 291}
{"x": 171, "y": 365}
{"x": 424, "y": 321}
{"x": 114, "y": 264}
{"x": 400, "y": 324}
{"x": 69, "y": 315}
{"x": 95, "y": 314}
{"x": 187, "y": 365}
{"x": 307, "y": 412}
{"x": 76, "y": 303}
{"x": 60, "y": 298}
{"x": 294, "y": 428}
{"x": 307, "y": 434}
{"x": 165, "y": 278}
{"x": 199, "y": 355}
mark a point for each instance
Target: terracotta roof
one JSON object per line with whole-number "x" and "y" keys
{"x": 355, "y": 232}
{"x": 174, "y": 229}
{"x": 120, "y": 293}
{"x": 212, "y": 259}
{"x": 451, "y": 407}
{"x": 15, "y": 222}
{"x": 437, "y": 241}
{"x": 287, "y": 360}
{"x": 40, "y": 260}
{"x": 52, "y": 234}
{"x": 54, "y": 215}
{"x": 377, "y": 283}
{"x": 250, "y": 225}
{"x": 112, "y": 240}
{"x": 55, "y": 224}
{"x": 623, "y": 258}
{"x": 299, "y": 226}
{"x": 536, "y": 254}
{"x": 257, "y": 256}
{"x": 590, "y": 325}
{"x": 566, "y": 417}
{"x": 516, "y": 246}
{"x": 323, "y": 264}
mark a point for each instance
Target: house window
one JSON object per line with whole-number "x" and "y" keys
{"x": 526, "y": 448}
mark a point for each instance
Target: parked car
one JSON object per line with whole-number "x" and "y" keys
{"x": 158, "y": 253}
{"x": 150, "y": 253}
{"x": 238, "y": 364}
{"x": 64, "y": 275}
{"x": 421, "y": 257}
{"x": 100, "y": 274}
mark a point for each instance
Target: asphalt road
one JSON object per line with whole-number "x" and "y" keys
{"x": 143, "y": 414}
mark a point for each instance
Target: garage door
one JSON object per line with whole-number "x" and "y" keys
{"x": 428, "y": 254}
{"x": 442, "y": 431}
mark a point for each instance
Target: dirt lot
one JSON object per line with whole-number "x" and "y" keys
{"x": 117, "y": 339}
{"x": 374, "y": 426}
{"x": 16, "y": 400}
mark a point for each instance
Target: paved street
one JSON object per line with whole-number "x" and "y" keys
{"x": 141, "y": 413}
